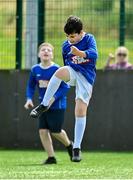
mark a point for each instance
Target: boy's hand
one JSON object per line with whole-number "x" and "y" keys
{"x": 28, "y": 104}
{"x": 75, "y": 51}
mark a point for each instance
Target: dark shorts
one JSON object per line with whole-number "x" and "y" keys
{"x": 53, "y": 120}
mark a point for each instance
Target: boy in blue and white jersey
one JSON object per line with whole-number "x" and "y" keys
{"x": 52, "y": 120}
{"x": 79, "y": 55}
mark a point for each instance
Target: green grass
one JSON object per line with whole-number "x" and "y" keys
{"x": 16, "y": 164}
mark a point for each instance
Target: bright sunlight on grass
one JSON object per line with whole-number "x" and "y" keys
{"x": 16, "y": 164}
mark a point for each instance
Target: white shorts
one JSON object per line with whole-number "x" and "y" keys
{"x": 83, "y": 87}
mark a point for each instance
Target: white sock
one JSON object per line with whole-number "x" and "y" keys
{"x": 80, "y": 125}
{"x": 53, "y": 85}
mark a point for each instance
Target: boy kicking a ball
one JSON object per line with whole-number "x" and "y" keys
{"x": 50, "y": 122}
{"x": 79, "y": 55}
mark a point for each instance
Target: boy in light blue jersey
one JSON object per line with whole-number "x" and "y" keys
{"x": 50, "y": 122}
{"x": 79, "y": 55}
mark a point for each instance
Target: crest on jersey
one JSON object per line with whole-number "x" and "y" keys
{"x": 79, "y": 60}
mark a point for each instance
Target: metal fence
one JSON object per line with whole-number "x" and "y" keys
{"x": 7, "y": 34}
{"x": 43, "y": 20}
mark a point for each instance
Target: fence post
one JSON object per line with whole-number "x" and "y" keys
{"x": 31, "y": 33}
{"x": 41, "y": 22}
{"x": 122, "y": 23}
{"x": 19, "y": 7}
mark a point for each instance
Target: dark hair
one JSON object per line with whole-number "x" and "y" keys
{"x": 73, "y": 25}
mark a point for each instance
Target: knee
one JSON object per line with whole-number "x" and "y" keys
{"x": 80, "y": 112}
{"x": 81, "y": 108}
{"x": 63, "y": 74}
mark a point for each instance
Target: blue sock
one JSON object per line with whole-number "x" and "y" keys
{"x": 80, "y": 125}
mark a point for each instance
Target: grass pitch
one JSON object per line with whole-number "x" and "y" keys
{"x": 16, "y": 164}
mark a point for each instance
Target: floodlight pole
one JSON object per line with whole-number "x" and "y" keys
{"x": 122, "y": 23}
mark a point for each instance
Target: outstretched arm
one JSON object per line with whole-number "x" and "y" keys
{"x": 30, "y": 91}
